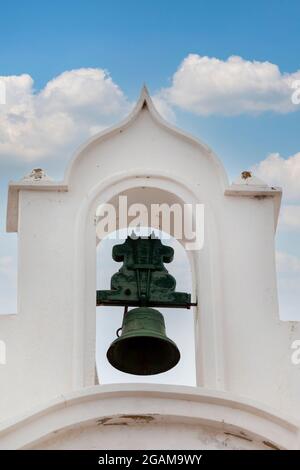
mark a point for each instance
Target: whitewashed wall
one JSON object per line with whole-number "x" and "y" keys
{"x": 242, "y": 346}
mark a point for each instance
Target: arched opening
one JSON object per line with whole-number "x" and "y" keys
{"x": 203, "y": 265}
{"x": 179, "y": 321}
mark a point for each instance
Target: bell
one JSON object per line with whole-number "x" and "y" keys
{"x": 143, "y": 347}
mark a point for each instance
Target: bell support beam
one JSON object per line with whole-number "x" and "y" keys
{"x": 143, "y": 279}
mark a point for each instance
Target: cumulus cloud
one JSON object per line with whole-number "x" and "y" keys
{"x": 284, "y": 172}
{"x": 71, "y": 107}
{"x": 207, "y": 85}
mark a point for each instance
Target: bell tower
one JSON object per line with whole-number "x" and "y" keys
{"x": 247, "y": 392}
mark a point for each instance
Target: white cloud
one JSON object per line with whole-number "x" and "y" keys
{"x": 66, "y": 111}
{"x": 277, "y": 170}
{"x": 207, "y": 85}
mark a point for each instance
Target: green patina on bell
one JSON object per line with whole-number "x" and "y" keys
{"x": 143, "y": 281}
{"x": 143, "y": 347}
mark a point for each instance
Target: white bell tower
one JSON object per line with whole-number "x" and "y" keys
{"x": 247, "y": 393}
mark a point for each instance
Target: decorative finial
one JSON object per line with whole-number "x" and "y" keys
{"x": 37, "y": 175}
{"x": 246, "y": 174}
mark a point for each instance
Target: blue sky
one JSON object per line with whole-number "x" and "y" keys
{"x": 161, "y": 43}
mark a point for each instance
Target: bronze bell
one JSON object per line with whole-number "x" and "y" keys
{"x": 143, "y": 347}
{"x": 143, "y": 282}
